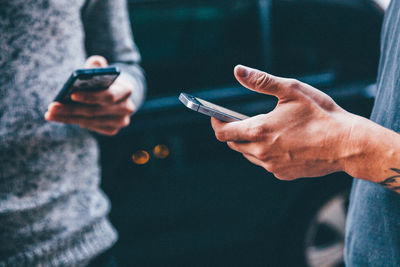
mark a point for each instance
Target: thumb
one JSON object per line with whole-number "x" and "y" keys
{"x": 96, "y": 62}
{"x": 263, "y": 82}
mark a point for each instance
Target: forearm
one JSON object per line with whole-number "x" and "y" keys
{"x": 108, "y": 34}
{"x": 372, "y": 153}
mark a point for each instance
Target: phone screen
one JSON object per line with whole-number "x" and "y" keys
{"x": 93, "y": 83}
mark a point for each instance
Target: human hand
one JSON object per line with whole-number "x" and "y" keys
{"x": 104, "y": 112}
{"x": 304, "y": 136}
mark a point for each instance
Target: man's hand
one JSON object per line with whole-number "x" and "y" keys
{"x": 104, "y": 112}
{"x": 306, "y": 135}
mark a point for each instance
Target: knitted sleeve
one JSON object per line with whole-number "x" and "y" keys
{"x": 108, "y": 33}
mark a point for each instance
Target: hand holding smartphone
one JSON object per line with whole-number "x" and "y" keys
{"x": 101, "y": 102}
{"x": 210, "y": 109}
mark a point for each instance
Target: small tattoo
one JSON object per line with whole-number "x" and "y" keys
{"x": 395, "y": 170}
{"x": 392, "y": 182}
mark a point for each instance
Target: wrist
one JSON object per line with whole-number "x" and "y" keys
{"x": 368, "y": 149}
{"x": 353, "y": 146}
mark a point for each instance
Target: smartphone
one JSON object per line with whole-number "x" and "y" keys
{"x": 210, "y": 109}
{"x": 88, "y": 80}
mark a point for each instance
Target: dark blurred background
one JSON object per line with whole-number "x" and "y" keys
{"x": 181, "y": 198}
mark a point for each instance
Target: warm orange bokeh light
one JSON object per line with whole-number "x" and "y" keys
{"x": 141, "y": 157}
{"x": 161, "y": 151}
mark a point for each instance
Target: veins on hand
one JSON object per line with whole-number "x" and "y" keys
{"x": 392, "y": 182}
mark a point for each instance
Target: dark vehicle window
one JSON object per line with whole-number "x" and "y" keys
{"x": 195, "y": 44}
{"x": 338, "y": 36}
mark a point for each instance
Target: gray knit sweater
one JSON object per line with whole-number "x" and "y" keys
{"x": 52, "y": 212}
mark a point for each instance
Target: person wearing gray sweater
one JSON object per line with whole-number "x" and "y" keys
{"x": 52, "y": 211}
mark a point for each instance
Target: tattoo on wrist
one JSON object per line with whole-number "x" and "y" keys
{"x": 392, "y": 182}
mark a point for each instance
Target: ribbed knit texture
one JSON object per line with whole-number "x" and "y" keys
{"x": 52, "y": 212}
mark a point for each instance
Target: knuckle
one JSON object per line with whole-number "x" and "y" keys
{"x": 261, "y": 154}
{"x": 293, "y": 84}
{"x": 268, "y": 167}
{"x": 281, "y": 173}
{"x": 264, "y": 156}
{"x": 262, "y": 80}
{"x": 256, "y": 133}
{"x": 96, "y": 61}
{"x": 273, "y": 169}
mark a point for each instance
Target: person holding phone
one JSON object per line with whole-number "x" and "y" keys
{"x": 309, "y": 135}
{"x": 104, "y": 111}
{"x": 52, "y": 211}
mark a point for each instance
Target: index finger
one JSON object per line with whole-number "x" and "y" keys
{"x": 238, "y": 131}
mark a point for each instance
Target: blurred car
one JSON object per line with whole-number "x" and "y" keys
{"x": 181, "y": 198}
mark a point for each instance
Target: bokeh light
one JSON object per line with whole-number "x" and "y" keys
{"x": 141, "y": 157}
{"x": 161, "y": 151}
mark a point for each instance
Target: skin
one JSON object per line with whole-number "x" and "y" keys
{"x": 309, "y": 135}
{"x": 105, "y": 112}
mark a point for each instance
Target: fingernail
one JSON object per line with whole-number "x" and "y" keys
{"x": 242, "y": 71}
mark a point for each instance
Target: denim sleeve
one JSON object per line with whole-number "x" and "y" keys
{"x": 108, "y": 33}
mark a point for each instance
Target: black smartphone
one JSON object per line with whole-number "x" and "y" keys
{"x": 89, "y": 80}
{"x": 210, "y": 109}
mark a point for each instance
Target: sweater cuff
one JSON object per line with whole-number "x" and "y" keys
{"x": 135, "y": 76}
